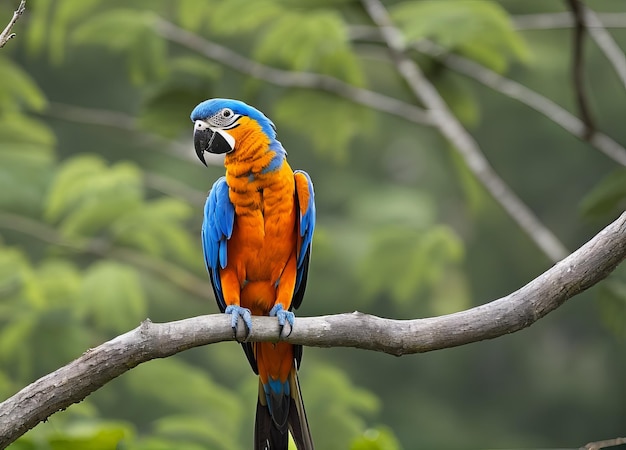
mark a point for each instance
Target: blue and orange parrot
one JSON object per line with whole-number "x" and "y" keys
{"x": 256, "y": 236}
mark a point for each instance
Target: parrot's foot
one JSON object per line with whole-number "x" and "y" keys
{"x": 236, "y": 312}
{"x": 283, "y": 317}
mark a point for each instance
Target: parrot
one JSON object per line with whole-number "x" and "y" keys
{"x": 256, "y": 238}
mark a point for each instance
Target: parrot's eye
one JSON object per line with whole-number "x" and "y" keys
{"x": 224, "y": 118}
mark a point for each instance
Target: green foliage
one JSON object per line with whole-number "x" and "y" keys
{"x": 310, "y": 41}
{"x": 240, "y": 16}
{"x": 461, "y": 99}
{"x": 111, "y": 297}
{"x": 86, "y": 252}
{"x": 381, "y": 438}
{"x": 330, "y": 123}
{"x": 415, "y": 261}
{"x": 478, "y": 29}
{"x": 165, "y": 110}
{"x": 131, "y": 32}
{"x": 26, "y": 158}
{"x": 608, "y": 197}
{"x": 86, "y": 196}
{"x": 338, "y": 405}
{"x": 18, "y": 89}
{"x": 198, "y": 409}
{"x": 156, "y": 228}
{"x": 50, "y": 22}
{"x": 611, "y": 300}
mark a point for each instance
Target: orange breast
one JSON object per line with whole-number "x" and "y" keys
{"x": 264, "y": 235}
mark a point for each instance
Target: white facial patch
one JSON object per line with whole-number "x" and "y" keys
{"x": 227, "y": 137}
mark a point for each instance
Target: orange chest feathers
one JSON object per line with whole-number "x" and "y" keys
{"x": 264, "y": 233}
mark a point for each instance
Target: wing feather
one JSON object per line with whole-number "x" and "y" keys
{"x": 305, "y": 204}
{"x": 217, "y": 228}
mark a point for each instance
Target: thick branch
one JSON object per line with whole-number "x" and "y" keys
{"x": 6, "y": 33}
{"x": 458, "y": 136}
{"x": 75, "y": 381}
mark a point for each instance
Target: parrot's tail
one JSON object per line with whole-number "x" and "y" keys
{"x": 286, "y": 414}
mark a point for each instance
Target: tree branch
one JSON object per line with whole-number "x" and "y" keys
{"x": 306, "y": 80}
{"x": 75, "y": 381}
{"x": 578, "y": 67}
{"x": 604, "y": 444}
{"x": 462, "y": 141}
{"x": 525, "y": 95}
{"x": 606, "y": 43}
{"x": 510, "y": 88}
{"x": 6, "y": 33}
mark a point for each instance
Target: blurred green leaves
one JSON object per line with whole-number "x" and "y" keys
{"x": 607, "y": 198}
{"x": 131, "y": 32}
{"x": 330, "y": 123}
{"x": 86, "y": 251}
{"x": 86, "y": 196}
{"x": 481, "y": 30}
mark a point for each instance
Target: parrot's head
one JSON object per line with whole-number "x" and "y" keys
{"x": 221, "y": 126}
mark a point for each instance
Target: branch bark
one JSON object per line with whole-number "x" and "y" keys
{"x": 6, "y": 34}
{"x": 75, "y": 381}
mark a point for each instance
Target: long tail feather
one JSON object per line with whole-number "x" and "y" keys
{"x": 298, "y": 423}
{"x": 268, "y": 435}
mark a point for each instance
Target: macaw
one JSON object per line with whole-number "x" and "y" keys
{"x": 256, "y": 236}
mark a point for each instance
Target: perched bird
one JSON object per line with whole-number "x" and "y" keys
{"x": 256, "y": 236}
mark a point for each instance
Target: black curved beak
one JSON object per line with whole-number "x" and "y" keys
{"x": 207, "y": 140}
{"x": 201, "y": 141}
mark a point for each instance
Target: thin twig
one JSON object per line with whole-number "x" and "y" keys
{"x": 578, "y": 68}
{"x": 462, "y": 141}
{"x": 6, "y": 34}
{"x": 96, "y": 367}
{"x": 606, "y": 43}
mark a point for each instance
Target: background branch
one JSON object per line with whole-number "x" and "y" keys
{"x": 462, "y": 141}
{"x": 306, "y": 80}
{"x": 73, "y": 382}
{"x": 578, "y": 67}
{"x": 525, "y": 95}
{"x": 6, "y": 33}
{"x": 606, "y": 43}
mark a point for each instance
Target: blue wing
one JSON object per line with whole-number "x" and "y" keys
{"x": 305, "y": 208}
{"x": 217, "y": 228}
